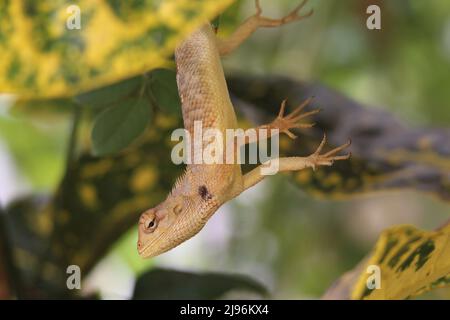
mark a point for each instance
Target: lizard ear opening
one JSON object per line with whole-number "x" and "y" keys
{"x": 177, "y": 209}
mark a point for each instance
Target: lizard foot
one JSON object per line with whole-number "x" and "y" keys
{"x": 284, "y": 123}
{"x": 327, "y": 159}
{"x": 292, "y": 16}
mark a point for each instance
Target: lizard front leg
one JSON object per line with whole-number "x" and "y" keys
{"x": 283, "y": 124}
{"x": 256, "y": 21}
{"x": 298, "y": 163}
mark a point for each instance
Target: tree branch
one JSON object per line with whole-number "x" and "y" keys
{"x": 386, "y": 153}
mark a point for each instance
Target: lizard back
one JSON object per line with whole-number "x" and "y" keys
{"x": 201, "y": 82}
{"x": 204, "y": 97}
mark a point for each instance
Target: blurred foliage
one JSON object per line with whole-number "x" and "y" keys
{"x": 43, "y": 57}
{"x": 386, "y": 153}
{"x": 291, "y": 236}
{"x": 403, "y": 67}
{"x": 109, "y": 193}
{"x": 160, "y": 284}
{"x": 36, "y": 149}
{"x": 296, "y": 237}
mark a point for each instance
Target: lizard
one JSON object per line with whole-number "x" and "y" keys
{"x": 203, "y": 188}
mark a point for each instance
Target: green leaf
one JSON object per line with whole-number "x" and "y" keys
{"x": 171, "y": 284}
{"x": 116, "y": 127}
{"x": 163, "y": 86}
{"x": 105, "y": 96}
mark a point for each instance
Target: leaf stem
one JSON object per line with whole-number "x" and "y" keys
{"x": 71, "y": 147}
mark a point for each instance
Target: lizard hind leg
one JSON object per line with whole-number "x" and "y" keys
{"x": 256, "y": 21}
{"x": 299, "y": 163}
{"x": 290, "y": 17}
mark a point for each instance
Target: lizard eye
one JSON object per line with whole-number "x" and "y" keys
{"x": 150, "y": 225}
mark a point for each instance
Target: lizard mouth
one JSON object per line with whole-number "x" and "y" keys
{"x": 160, "y": 244}
{"x": 145, "y": 251}
{"x": 165, "y": 241}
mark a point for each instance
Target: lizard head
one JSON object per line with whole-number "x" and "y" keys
{"x": 170, "y": 223}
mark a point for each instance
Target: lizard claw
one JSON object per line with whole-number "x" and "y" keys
{"x": 285, "y": 123}
{"x": 327, "y": 159}
{"x": 292, "y": 16}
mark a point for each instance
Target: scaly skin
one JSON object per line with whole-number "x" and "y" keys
{"x": 204, "y": 95}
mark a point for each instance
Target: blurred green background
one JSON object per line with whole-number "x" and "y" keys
{"x": 295, "y": 244}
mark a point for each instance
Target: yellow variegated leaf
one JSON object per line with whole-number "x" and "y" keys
{"x": 40, "y": 56}
{"x": 411, "y": 261}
